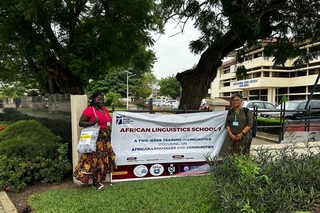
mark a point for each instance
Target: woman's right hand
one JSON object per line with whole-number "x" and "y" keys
{"x": 232, "y": 136}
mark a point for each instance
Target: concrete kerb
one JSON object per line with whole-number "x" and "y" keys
{"x": 6, "y": 206}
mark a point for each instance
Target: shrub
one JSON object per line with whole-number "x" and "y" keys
{"x": 30, "y": 153}
{"x": 271, "y": 181}
{"x": 269, "y": 122}
{"x": 58, "y": 127}
{"x": 27, "y": 139}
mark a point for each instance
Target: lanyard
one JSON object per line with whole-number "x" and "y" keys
{"x": 236, "y": 115}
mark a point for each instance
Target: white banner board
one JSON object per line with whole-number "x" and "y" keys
{"x": 141, "y": 138}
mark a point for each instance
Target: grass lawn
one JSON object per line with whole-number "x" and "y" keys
{"x": 176, "y": 195}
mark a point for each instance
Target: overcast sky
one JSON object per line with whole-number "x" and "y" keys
{"x": 172, "y": 52}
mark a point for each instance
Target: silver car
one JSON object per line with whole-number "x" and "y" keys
{"x": 261, "y": 105}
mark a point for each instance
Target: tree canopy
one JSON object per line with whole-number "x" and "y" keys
{"x": 229, "y": 25}
{"x": 62, "y": 44}
{"x": 115, "y": 82}
{"x": 169, "y": 86}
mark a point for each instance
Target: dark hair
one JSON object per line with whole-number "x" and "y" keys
{"x": 238, "y": 95}
{"x": 94, "y": 95}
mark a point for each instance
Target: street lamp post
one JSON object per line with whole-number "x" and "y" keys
{"x": 128, "y": 76}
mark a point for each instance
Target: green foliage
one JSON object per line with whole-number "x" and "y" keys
{"x": 143, "y": 89}
{"x": 170, "y": 86}
{"x": 31, "y": 153}
{"x": 13, "y": 90}
{"x": 241, "y": 72}
{"x": 283, "y": 99}
{"x": 19, "y": 139}
{"x": 58, "y": 127}
{"x": 271, "y": 181}
{"x": 247, "y": 26}
{"x": 112, "y": 99}
{"x": 275, "y": 123}
{"x": 17, "y": 172}
{"x": 116, "y": 82}
{"x": 226, "y": 26}
{"x": 45, "y": 42}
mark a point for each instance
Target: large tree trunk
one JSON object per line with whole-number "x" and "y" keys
{"x": 60, "y": 80}
{"x": 196, "y": 82}
{"x": 64, "y": 83}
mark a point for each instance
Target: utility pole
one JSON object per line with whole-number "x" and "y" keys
{"x": 128, "y": 76}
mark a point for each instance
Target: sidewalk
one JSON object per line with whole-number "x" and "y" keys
{"x": 6, "y": 206}
{"x": 263, "y": 138}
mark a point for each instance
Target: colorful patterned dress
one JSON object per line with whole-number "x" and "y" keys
{"x": 95, "y": 166}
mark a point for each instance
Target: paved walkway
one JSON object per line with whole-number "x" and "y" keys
{"x": 6, "y": 206}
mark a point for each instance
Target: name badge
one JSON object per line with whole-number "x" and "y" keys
{"x": 108, "y": 123}
{"x": 235, "y": 123}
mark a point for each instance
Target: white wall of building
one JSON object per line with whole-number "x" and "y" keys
{"x": 265, "y": 82}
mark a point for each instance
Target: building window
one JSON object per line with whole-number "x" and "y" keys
{"x": 297, "y": 97}
{"x": 227, "y": 84}
{"x": 280, "y": 74}
{"x": 264, "y": 92}
{"x": 282, "y": 91}
{"x": 226, "y": 71}
{"x": 256, "y": 75}
{"x": 317, "y": 97}
{"x": 316, "y": 90}
{"x": 254, "y": 92}
{"x": 313, "y": 71}
{"x": 297, "y": 90}
{"x": 302, "y": 73}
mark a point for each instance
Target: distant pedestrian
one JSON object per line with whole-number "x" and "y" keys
{"x": 17, "y": 102}
{"x": 92, "y": 168}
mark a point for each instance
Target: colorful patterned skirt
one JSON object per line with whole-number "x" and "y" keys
{"x": 93, "y": 167}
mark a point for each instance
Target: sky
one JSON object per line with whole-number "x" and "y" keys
{"x": 172, "y": 51}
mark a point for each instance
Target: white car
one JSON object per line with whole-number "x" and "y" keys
{"x": 168, "y": 103}
{"x": 175, "y": 105}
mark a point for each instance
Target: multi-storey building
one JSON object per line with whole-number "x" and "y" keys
{"x": 265, "y": 82}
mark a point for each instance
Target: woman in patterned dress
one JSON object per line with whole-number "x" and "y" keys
{"x": 92, "y": 168}
{"x": 238, "y": 126}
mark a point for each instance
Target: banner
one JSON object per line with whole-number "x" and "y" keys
{"x": 139, "y": 138}
{"x": 153, "y": 145}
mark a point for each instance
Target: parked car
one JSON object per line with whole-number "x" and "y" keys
{"x": 204, "y": 105}
{"x": 146, "y": 101}
{"x": 261, "y": 105}
{"x": 168, "y": 103}
{"x": 299, "y": 105}
{"x": 175, "y": 105}
{"x": 157, "y": 102}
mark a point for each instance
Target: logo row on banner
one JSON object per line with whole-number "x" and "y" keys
{"x": 153, "y": 171}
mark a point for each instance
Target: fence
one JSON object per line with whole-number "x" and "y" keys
{"x": 150, "y": 108}
{"x": 307, "y": 120}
